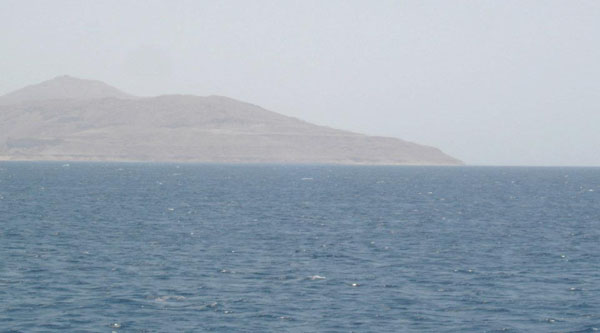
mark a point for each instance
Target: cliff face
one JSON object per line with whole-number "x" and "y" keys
{"x": 72, "y": 119}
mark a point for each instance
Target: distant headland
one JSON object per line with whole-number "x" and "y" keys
{"x": 73, "y": 119}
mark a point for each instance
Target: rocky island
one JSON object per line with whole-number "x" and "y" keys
{"x": 72, "y": 119}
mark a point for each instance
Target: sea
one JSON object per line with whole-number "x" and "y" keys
{"x": 135, "y": 247}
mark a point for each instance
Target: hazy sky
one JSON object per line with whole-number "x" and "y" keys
{"x": 489, "y": 82}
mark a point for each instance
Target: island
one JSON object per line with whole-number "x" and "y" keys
{"x": 72, "y": 119}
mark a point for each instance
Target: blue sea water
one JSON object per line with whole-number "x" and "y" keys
{"x": 102, "y": 247}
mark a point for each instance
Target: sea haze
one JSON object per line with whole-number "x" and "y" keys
{"x": 132, "y": 247}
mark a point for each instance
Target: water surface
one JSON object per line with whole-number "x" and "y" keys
{"x": 232, "y": 248}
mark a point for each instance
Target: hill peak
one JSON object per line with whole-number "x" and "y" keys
{"x": 64, "y": 87}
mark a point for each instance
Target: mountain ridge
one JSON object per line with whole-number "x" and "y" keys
{"x": 64, "y": 87}
{"x": 73, "y": 119}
